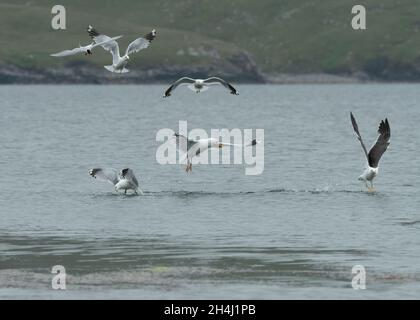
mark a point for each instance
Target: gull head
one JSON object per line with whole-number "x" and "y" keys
{"x": 126, "y": 58}
{"x": 216, "y": 144}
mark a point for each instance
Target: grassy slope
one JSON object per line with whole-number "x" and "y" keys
{"x": 283, "y": 35}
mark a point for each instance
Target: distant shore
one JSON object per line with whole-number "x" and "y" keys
{"x": 88, "y": 74}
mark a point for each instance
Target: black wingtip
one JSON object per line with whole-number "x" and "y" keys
{"x": 254, "y": 142}
{"x": 151, "y": 35}
{"x": 353, "y": 122}
{"x": 92, "y": 31}
{"x": 384, "y": 127}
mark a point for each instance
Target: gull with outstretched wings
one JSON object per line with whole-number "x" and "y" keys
{"x": 192, "y": 147}
{"x": 375, "y": 153}
{"x": 199, "y": 85}
{"x": 119, "y": 62}
{"x": 123, "y": 180}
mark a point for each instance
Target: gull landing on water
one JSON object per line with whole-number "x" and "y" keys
{"x": 123, "y": 180}
{"x": 193, "y": 148}
{"x": 375, "y": 153}
{"x": 199, "y": 85}
{"x": 118, "y": 62}
{"x": 86, "y": 50}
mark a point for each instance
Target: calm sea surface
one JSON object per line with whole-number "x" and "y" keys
{"x": 294, "y": 231}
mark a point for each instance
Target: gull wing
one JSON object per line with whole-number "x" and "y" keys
{"x": 381, "y": 144}
{"x": 108, "y": 174}
{"x": 105, "y": 42}
{"x": 183, "y": 80}
{"x": 184, "y": 143}
{"x": 141, "y": 43}
{"x": 251, "y": 143}
{"x": 216, "y": 80}
{"x": 72, "y": 52}
{"x": 359, "y": 137}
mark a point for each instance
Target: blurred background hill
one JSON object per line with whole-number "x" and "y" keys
{"x": 242, "y": 40}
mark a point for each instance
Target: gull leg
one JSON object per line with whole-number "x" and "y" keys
{"x": 189, "y": 164}
{"x": 372, "y": 189}
{"x": 367, "y": 186}
{"x": 125, "y": 191}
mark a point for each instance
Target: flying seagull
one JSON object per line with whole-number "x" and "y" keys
{"x": 375, "y": 153}
{"x": 118, "y": 62}
{"x": 123, "y": 180}
{"x": 199, "y": 85}
{"x": 86, "y": 50}
{"x": 193, "y": 148}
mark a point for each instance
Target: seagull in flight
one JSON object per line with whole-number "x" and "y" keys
{"x": 119, "y": 62}
{"x": 86, "y": 50}
{"x": 199, "y": 85}
{"x": 123, "y": 180}
{"x": 192, "y": 148}
{"x": 375, "y": 153}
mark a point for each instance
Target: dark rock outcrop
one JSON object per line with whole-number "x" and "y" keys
{"x": 238, "y": 68}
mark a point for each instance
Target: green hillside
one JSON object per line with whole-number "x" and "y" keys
{"x": 283, "y": 36}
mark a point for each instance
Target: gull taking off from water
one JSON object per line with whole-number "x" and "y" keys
{"x": 193, "y": 148}
{"x": 123, "y": 180}
{"x": 86, "y": 50}
{"x": 118, "y": 62}
{"x": 199, "y": 85}
{"x": 375, "y": 153}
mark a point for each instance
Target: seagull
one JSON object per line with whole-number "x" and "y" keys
{"x": 123, "y": 180}
{"x": 86, "y": 50}
{"x": 375, "y": 153}
{"x": 199, "y": 85}
{"x": 193, "y": 148}
{"x": 118, "y": 62}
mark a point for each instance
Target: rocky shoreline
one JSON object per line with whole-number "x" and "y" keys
{"x": 86, "y": 73}
{"x": 89, "y": 74}
{"x": 240, "y": 68}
